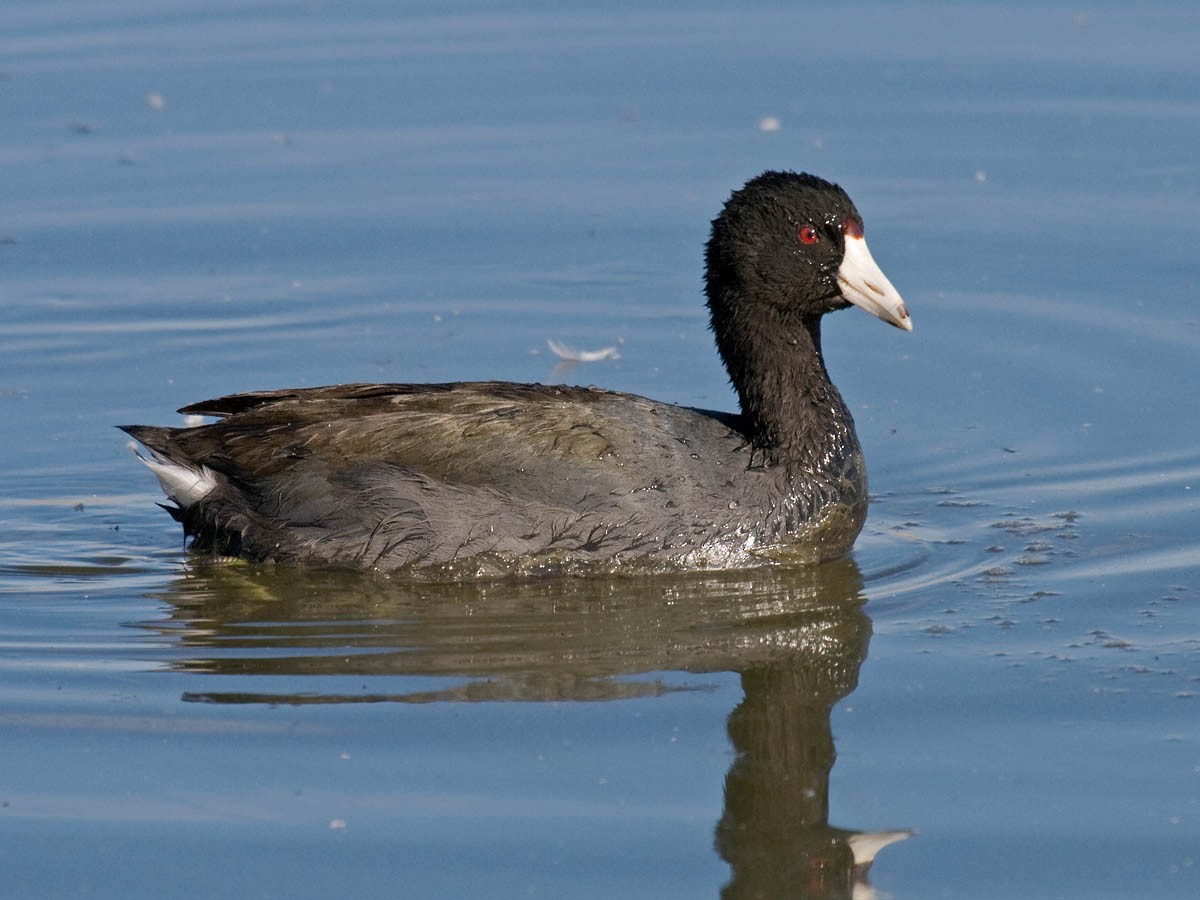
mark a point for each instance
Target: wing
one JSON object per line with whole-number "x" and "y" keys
{"x": 420, "y": 472}
{"x": 517, "y": 438}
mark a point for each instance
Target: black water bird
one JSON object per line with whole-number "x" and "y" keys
{"x": 485, "y": 478}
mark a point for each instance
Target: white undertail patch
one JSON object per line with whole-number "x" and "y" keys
{"x": 183, "y": 484}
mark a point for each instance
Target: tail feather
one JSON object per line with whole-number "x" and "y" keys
{"x": 184, "y": 483}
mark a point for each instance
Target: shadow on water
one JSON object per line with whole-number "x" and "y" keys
{"x": 797, "y": 639}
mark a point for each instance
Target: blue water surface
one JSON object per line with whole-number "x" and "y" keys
{"x": 996, "y": 694}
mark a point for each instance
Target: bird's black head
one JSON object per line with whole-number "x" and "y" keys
{"x": 794, "y": 242}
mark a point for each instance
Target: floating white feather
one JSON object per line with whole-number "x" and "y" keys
{"x": 562, "y": 351}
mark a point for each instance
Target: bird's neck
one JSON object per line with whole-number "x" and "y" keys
{"x": 795, "y": 416}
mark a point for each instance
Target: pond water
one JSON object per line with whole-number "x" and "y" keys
{"x": 996, "y": 693}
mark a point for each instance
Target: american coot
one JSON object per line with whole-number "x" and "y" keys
{"x": 459, "y": 480}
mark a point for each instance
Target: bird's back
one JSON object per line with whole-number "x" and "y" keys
{"x": 474, "y": 477}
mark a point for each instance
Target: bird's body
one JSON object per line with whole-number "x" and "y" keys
{"x": 556, "y": 478}
{"x": 492, "y": 477}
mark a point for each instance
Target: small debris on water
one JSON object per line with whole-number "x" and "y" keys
{"x": 570, "y": 354}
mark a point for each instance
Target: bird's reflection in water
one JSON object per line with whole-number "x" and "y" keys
{"x": 796, "y": 637}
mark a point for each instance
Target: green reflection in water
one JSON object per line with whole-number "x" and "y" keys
{"x": 797, "y": 638}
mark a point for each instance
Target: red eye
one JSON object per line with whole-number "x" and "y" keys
{"x": 808, "y": 235}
